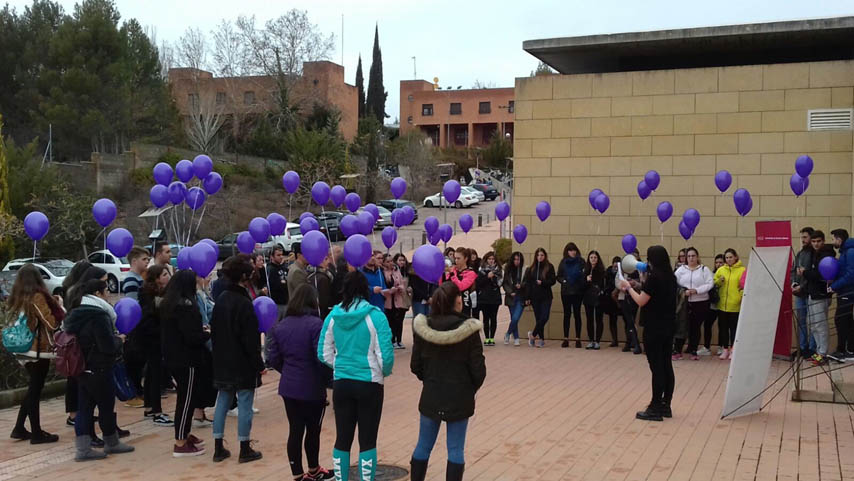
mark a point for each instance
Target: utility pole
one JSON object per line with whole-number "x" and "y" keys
{"x": 414, "y": 70}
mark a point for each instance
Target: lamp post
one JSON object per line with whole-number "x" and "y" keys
{"x": 504, "y": 192}
{"x": 442, "y": 203}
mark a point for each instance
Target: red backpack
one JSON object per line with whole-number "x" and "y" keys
{"x": 69, "y": 357}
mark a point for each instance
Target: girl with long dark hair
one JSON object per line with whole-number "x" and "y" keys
{"x": 514, "y": 294}
{"x": 489, "y": 280}
{"x": 464, "y": 277}
{"x": 594, "y": 276}
{"x": 570, "y": 274}
{"x": 539, "y": 279}
{"x": 147, "y": 336}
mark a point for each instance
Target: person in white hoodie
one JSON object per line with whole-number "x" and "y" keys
{"x": 697, "y": 279}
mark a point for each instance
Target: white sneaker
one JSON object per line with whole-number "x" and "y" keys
{"x": 516, "y": 342}
{"x": 255, "y": 410}
{"x": 507, "y": 339}
{"x": 232, "y": 412}
{"x": 703, "y": 351}
{"x": 202, "y": 423}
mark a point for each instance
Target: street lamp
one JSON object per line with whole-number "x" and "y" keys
{"x": 449, "y": 165}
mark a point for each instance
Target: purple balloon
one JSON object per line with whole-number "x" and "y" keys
{"x": 36, "y": 225}
{"x": 374, "y": 211}
{"x": 159, "y": 195}
{"x": 435, "y": 238}
{"x": 742, "y": 200}
{"x": 502, "y": 210}
{"x": 308, "y": 224}
{"x": 466, "y": 222}
{"x": 212, "y": 244}
{"x": 691, "y": 217}
{"x": 664, "y": 211}
{"x": 591, "y": 198}
{"x": 202, "y": 259}
{"x": 451, "y": 190}
{"x": 337, "y": 194}
{"x": 520, "y": 233}
{"x": 349, "y": 225}
{"x": 245, "y": 243}
{"x": 277, "y": 223}
{"x": 799, "y": 184}
{"x": 183, "y": 259}
{"x": 410, "y": 214}
{"x": 320, "y": 193}
{"x": 259, "y": 228}
{"x": 828, "y": 268}
{"x": 195, "y": 197}
{"x": 398, "y": 218}
{"x": 366, "y": 222}
{"x": 163, "y": 173}
{"x": 652, "y": 179}
{"x": 357, "y": 250}
{"x": 352, "y": 201}
{"x": 389, "y": 236}
{"x": 290, "y": 181}
{"x": 202, "y": 166}
{"x": 428, "y": 263}
{"x": 266, "y": 312}
{"x": 177, "y": 192}
{"x": 630, "y": 243}
{"x": 723, "y": 179}
{"x": 128, "y": 314}
{"x": 602, "y": 202}
{"x": 685, "y": 230}
{"x": 104, "y": 212}
{"x": 543, "y": 210}
{"x": 184, "y": 170}
{"x": 398, "y": 187}
{"x": 314, "y": 247}
{"x": 212, "y": 183}
{"x": 119, "y": 242}
{"x": 446, "y": 231}
{"x": 304, "y": 215}
{"x": 643, "y": 190}
{"x": 431, "y": 225}
{"x": 804, "y": 166}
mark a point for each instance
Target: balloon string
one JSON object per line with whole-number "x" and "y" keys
{"x": 190, "y": 230}
{"x": 290, "y": 206}
{"x": 104, "y": 231}
{"x": 202, "y": 216}
{"x": 329, "y": 239}
{"x": 34, "y": 249}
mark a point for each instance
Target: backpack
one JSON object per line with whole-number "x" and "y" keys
{"x": 69, "y": 356}
{"x": 18, "y": 338}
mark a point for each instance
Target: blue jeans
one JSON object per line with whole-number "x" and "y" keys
{"x": 245, "y": 397}
{"x": 419, "y": 308}
{"x": 801, "y": 304}
{"x": 427, "y": 438}
{"x": 515, "y": 314}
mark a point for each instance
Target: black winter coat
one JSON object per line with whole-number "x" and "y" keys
{"x": 511, "y": 278}
{"x": 236, "y": 342}
{"x": 146, "y": 334}
{"x": 489, "y": 290}
{"x": 816, "y": 285}
{"x": 447, "y": 357}
{"x": 94, "y": 331}
{"x": 545, "y": 272}
{"x": 183, "y": 337}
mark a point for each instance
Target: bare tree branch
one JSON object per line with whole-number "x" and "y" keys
{"x": 202, "y": 126}
{"x": 192, "y": 49}
{"x": 230, "y": 55}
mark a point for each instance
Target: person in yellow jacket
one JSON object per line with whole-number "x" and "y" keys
{"x": 729, "y": 304}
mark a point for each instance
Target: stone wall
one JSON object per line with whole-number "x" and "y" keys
{"x": 147, "y": 154}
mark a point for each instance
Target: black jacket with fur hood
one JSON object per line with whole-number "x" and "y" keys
{"x": 447, "y": 356}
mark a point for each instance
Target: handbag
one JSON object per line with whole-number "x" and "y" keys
{"x": 18, "y": 338}
{"x": 124, "y": 387}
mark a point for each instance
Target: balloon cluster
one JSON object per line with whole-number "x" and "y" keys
{"x": 800, "y": 180}
{"x": 599, "y": 200}
{"x": 650, "y": 182}
{"x": 690, "y": 221}
{"x": 166, "y": 190}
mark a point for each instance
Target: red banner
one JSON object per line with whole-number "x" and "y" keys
{"x": 778, "y": 233}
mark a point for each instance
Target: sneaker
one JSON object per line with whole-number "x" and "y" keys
{"x": 197, "y": 441}
{"x": 507, "y": 339}
{"x": 703, "y": 351}
{"x": 202, "y": 423}
{"x": 695, "y": 357}
{"x": 817, "y": 359}
{"x": 187, "y": 450}
{"x": 565, "y": 343}
{"x": 255, "y": 410}
{"x": 719, "y": 352}
{"x": 596, "y": 346}
{"x": 541, "y": 343}
{"x": 516, "y": 342}
{"x": 232, "y": 412}
{"x": 136, "y": 402}
{"x": 530, "y": 339}
{"x": 676, "y": 357}
{"x": 320, "y": 474}
{"x": 69, "y": 421}
{"x": 161, "y": 419}
{"x": 400, "y": 345}
{"x": 589, "y": 346}
{"x": 724, "y": 354}
{"x": 837, "y": 356}
{"x": 43, "y": 437}
{"x": 577, "y": 344}
{"x": 20, "y": 434}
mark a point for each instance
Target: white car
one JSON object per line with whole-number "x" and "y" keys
{"x": 53, "y": 271}
{"x": 117, "y": 268}
{"x": 472, "y": 191}
{"x": 383, "y": 221}
{"x": 292, "y": 234}
{"x": 465, "y": 200}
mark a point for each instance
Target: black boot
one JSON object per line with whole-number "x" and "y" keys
{"x": 454, "y": 471}
{"x": 651, "y": 413}
{"x": 247, "y": 454}
{"x": 664, "y": 409}
{"x": 220, "y": 453}
{"x": 417, "y": 470}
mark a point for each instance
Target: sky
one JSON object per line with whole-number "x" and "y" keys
{"x": 463, "y": 41}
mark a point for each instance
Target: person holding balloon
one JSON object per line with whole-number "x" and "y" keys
{"x": 376, "y": 280}
{"x": 729, "y": 304}
{"x": 464, "y": 277}
{"x": 394, "y": 300}
{"x": 489, "y": 281}
{"x": 819, "y": 296}
{"x": 514, "y": 294}
{"x": 594, "y": 292}
{"x": 538, "y": 281}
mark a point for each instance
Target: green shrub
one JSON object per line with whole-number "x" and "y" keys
{"x": 170, "y": 158}
{"x": 502, "y": 248}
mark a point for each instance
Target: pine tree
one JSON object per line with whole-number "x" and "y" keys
{"x": 7, "y": 244}
{"x": 360, "y": 85}
{"x": 375, "y": 104}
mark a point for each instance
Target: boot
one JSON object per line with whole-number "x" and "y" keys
{"x": 114, "y": 446}
{"x": 85, "y": 451}
{"x": 220, "y": 453}
{"x": 247, "y": 454}
{"x": 454, "y": 471}
{"x": 651, "y": 413}
{"x": 664, "y": 409}
{"x": 417, "y": 469}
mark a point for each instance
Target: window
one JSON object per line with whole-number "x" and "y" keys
{"x": 220, "y": 98}
{"x": 484, "y": 108}
{"x": 96, "y": 258}
{"x": 409, "y": 119}
{"x": 193, "y": 100}
{"x": 108, "y": 259}
{"x": 512, "y": 107}
{"x": 456, "y": 108}
{"x": 426, "y": 110}
{"x": 410, "y": 98}
{"x": 249, "y": 98}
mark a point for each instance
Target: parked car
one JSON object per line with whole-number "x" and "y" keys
{"x": 465, "y": 200}
{"x": 331, "y": 220}
{"x": 117, "y": 268}
{"x": 384, "y": 220}
{"x": 53, "y": 271}
{"x": 392, "y": 204}
{"x": 488, "y": 191}
{"x": 292, "y": 234}
{"x": 228, "y": 246}
{"x": 472, "y": 191}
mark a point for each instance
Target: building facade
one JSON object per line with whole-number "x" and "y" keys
{"x": 601, "y": 126}
{"x": 237, "y": 98}
{"x": 456, "y": 118}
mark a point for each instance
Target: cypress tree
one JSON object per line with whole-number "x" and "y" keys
{"x": 360, "y": 86}
{"x": 375, "y": 104}
{"x": 7, "y": 245}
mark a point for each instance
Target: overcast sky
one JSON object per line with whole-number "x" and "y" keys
{"x": 462, "y": 41}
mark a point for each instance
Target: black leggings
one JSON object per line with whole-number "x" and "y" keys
{"x": 153, "y": 378}
{"x": 96, "y": 388}
{"x": 357, "y": 403}
{"x": 490, "y": 319}
{"x": 657, "y": 349}
{"x": 707, "y": 328}
{"x": 698, "y": 313}
{"x": 304, "y": 420}
{"x": 630, "y": 312}
{"x": 395, "y": 322}
{"x": 727, "y": 322}
{"x": 571, "y": 306}
{"x": 37, "y": 370}
{"x": 595, "y": 314}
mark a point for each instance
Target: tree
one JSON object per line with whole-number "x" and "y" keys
{"x": 360, "y": 87}
{"x": 413, "y": 152}
{"x": 375, "y": 103}
{"x": 229, "y": 52}
{"x": 192, "y": 49}
{"x": 483, "y": 85}
{"x": 8, "y": 222}
{"x": 542, "y": 69}
{"x": 204, "y": 123}
{"x": 498, "y": 151}
{"x": 315, "y": 154}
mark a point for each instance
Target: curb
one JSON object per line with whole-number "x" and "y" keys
{"x": 13, "y": 397}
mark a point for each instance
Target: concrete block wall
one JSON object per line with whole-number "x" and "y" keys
{"x": 575, "y": 133}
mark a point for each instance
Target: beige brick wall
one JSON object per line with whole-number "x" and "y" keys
{"x": 579, "y": 132}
